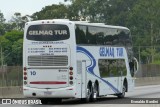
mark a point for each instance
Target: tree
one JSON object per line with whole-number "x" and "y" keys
{"x": 2, "y": 20}
{"x": 17, "y": 22}
{"x": 118, "y": 11}
{"x": 11, "y": 44}
{"x": 88, "y": 10}
{"x": 144, "y": 23}
{"x": 51, "y": 12}
{"x": 17, "y": 48}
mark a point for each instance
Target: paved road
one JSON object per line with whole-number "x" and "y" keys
{"x": 142, "y": 93}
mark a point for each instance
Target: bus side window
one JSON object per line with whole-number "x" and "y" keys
{"x": 100, "y": 38}
{"x": 81, "y": 35}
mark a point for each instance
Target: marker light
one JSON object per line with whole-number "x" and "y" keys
{"x": 71, "y": 68}
{"x": 71, "y": 78}
{"x": 71, "y": 73}
{"x": 25, "y": 73}
{"x": 25, "y": 78}
{"x": 25, "y": 68}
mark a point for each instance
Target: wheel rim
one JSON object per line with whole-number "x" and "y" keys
{"x": 88, "y": 93}
{"x": 124, "y": 90}
{"x": 95, "y": 95}
{"x": 95, "y": 92}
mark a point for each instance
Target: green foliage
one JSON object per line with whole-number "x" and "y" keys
{"x": 156, "y": 62}
{"x": 17, "y": 22}
{"x": 119, "y": 11}
{"x": 144, "y": 24}
{"x": 51, "y": 12}
{"x": 12, "y": 44}
{"x": 2, "y": 20}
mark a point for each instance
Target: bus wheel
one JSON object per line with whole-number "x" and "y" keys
{"x": 44, "y": 101}
{"x": 122, "y": 95}
{"x": 95, "y": 92}
{"x": 57, "y": 100}
{"x": 88, "y": 94}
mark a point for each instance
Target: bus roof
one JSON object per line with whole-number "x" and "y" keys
{"x": 80, "y": 23}
{"x": 99, "y": 24}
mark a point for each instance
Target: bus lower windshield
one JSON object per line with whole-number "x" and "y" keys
{"x": 48, "y": 32}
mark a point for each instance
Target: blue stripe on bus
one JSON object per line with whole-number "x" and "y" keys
{"x": 92, "y": 66}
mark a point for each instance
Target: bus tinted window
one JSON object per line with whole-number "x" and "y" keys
{"x": 92, "y": 35}
{"x": 112, "y": 67}
{"x": 108, "y": 36}
{"x": 48, "y": 32}
{"x": 81, "y": 35}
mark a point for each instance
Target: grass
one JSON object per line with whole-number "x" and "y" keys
{"x": 156, "y": 62}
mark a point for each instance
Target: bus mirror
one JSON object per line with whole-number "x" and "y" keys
{"x": 136, "y": 67}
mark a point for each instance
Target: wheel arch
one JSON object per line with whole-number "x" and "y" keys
{"x": 125, "y": 83}
{"x": 97, "y": 83}
{"x": 89, "y": 83}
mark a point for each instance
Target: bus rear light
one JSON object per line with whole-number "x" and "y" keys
{"x": 71, "y": 82}
{"x": 25, "y": 73}
{"x": 25, "y": 78}
{"x": 24, "y": 68}
{"x": 71, "y": 78}
{"x": 70, "y": 73}
{"x": 71, "y": 68}
{"x": 25, "y": 82}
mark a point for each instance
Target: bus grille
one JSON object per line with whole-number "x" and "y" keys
{"x": 47, "y": 60}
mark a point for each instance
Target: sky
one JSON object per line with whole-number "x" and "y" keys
{"x": 25, "y": 7}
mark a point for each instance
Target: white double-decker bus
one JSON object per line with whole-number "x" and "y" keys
{"x": 66, "y": 59}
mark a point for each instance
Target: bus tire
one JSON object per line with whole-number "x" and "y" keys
{"x": 88, "y": 94}
{"x": 122, "y": 95}
{"x": 44, "y": 101}
{"x": 95, "y": 92}
{"x": 57, "y": 100}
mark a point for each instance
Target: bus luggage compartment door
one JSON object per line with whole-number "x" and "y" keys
{"x": 48, "y": 78}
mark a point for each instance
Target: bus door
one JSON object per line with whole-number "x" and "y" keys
{"x": 81, "y": 79}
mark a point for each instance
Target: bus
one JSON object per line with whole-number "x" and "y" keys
{"x": 76, "y": 59}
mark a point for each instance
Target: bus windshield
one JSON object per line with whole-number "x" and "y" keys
{"x": 48, "y": 32}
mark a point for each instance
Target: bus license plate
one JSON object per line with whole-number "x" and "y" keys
{"x": 47, "y": 93}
